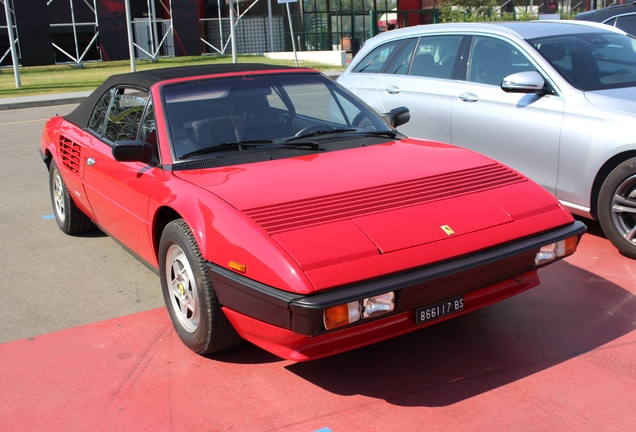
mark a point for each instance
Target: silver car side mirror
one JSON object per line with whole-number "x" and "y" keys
{"x": 524, "y": 82}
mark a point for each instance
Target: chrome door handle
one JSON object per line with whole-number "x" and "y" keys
{"x": 469, "y": 97}
{"x": 392, "y": 89}
{"x": 90, "y": 161}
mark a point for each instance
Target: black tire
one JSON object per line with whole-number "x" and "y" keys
{"x": 189, "y": 295}
{"x": 617, "y": 207}
{"x": 68, "y": 216}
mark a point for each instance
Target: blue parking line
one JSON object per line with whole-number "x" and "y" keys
{"x": 48, "y": 217}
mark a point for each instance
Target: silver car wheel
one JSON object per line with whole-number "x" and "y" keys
{"x": 58, "y": 196}
{"x": 624, "y": 209}
{"x": 183, "y": 289}
{"x": 194, "y": 309}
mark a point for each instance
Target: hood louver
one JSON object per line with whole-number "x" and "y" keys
{"x": 330, "y": 208}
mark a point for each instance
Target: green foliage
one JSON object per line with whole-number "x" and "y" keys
{"x": 66, "y": 78}
{"x": 477, "y": 11}
{"x": 571, "y": 15}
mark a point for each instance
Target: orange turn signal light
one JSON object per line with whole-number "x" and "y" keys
{"x": 241, "y": 268}
{"x": 571, "y": 244}
{"x": 338, "y": 316}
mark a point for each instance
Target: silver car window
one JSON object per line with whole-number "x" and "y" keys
{"x": 435, "y": 56}
{"x": 592, "y": 61}
{"x": 375, "y": 61}
{"x": 491, "y": 60}
{"x": 402, "y": 62}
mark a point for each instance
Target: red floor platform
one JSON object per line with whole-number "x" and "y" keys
{"x": 561, "y": 356}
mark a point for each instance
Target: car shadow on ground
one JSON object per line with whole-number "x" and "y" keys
{"x": 245, "y": 353}
{"x": 92, "y": 233}
{"x": 570, "y": 314}
{"x": 593, "y": 227}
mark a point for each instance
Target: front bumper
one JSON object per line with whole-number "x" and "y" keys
{"x": 290, "y": 324}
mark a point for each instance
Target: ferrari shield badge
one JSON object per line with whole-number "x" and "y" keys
{"x": 448, "y": 230}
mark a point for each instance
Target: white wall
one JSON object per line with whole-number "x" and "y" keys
{"x": 335, "y": 58}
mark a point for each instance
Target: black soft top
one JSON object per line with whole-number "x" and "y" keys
{"x": 146, "y": 79}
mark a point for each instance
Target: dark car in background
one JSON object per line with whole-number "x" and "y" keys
{"x": 620, "y": 16}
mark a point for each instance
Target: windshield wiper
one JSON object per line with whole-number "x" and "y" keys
{"x": 224, "y": 146}
{"x": 390, "y": 134}
{"x": 238, "y": 145}
{"x": 319, "y": 132}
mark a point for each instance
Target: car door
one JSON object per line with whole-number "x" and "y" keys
{"x": 362, "y": 80}
{"x": 421, "y": 79}
{"x": 119, "y": 192}
{"x": 521, "y": 130}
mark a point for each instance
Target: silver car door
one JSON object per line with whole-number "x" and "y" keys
{"x": 518, "y": 129}
{"x": 362, "y": 79}
{"x": 427, "y": 88}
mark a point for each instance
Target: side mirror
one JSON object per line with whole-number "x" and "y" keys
{"x": 524, "y": 82}
{"x": 397, "y": 116}
{"x": 135, "y": 151}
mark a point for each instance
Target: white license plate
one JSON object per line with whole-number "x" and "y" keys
{"x": 439, "y": 310}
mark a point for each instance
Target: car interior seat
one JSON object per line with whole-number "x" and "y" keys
{"x": 484, "y": 65}
{"x": 215, "y": 131}
{"x": 423, "y": 65}
{"x": 264, "y": 123}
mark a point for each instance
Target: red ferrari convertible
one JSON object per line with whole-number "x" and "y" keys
{"x": 278, "y": 208}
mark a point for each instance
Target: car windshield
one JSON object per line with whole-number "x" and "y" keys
{"x": 252, "y": 113}
{"x": 592, "y": 61}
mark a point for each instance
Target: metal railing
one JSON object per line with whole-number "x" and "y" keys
{"x": 312, "y": 31}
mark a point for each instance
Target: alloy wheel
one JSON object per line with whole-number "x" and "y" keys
{"x": 183, "y": 289}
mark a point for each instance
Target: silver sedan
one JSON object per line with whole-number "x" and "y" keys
{"x": 554, "y": 100}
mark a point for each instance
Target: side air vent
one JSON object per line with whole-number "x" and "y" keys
{"x": 70, "y": 154}
{"x": 330, "y": 208}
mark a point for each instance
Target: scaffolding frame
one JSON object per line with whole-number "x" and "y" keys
{"x": 157, "y": 43}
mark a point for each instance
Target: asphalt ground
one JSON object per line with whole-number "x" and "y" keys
{"x": 86, "y": 344}
{"x": 52, "y": 281}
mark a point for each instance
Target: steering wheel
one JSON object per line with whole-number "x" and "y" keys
{"x": 314, "y": 128}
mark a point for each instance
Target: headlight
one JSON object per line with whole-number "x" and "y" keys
{"x": 341, "y": 315}
{"x": 553, "y": 251}
{"x": 378, "y": 305}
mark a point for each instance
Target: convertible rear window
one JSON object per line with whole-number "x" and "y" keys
{"x": 591, "y": 61}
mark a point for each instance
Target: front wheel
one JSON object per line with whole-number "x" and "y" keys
{"x": 617, "y": 207}
{"x": 189, "y": 295}
{"x": 68, "y": 216}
